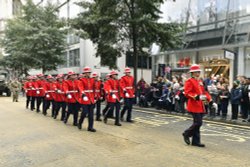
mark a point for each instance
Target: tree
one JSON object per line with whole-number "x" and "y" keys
{"x": 118, "y": 26}
{"x": 35, "y": 40}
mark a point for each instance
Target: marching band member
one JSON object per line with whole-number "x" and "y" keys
{"x": 60, "y": 98}
{"x": 28, "y": 90}
{"x": 113, "y": 98}
{"x": 87, "y": 99}
{"x": 40, "y": 93}
{"x": 128, "y": 94}
{"x": 49, "y": 88}
{"x": 70, "y": 87}
{"x": 197, "y": 96}
{"x": 98, "y": 95}
{"x": 33, "y": 92}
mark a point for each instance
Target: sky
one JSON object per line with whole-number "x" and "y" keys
{"x": 169, "y": 8}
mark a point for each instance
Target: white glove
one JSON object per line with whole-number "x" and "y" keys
{"x": 38, "y": 92}
{"x": 26, "y": 91}
{"x": 114, "y": 96}
{"x": 59, "y": 91}
{"x": 47, "y": 95}
{"x": 121, "y": 101}
{"x": 69, "y": 96}
{"x": 203, "y": 97}
{"x": 126, "y": 95}
{"x": 177, "y": 97}
{"x": 85, "y": 98}
{"x": 214, "y": 105}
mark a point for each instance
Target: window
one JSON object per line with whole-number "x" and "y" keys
{"x": 144, "y": 61}
{"x": 73, "y": 39}
{"x": 74, "y": 58}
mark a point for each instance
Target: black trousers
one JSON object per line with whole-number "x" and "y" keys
{"x": 235, "y": 111}
{"x": 244, "y": 110}
{"x": 106, "y": 111}
{"x": 47, "y": 104}
{"x": 72, "y": 109}
{"x": 28, "y": 99}
{"x": 87, "y": 110}
{"x": 60, "y": 105}
{"x": 39, "y": 101}
{"x": 98, "y": 109}
{"x": 128, "y": 105}
{"x": 194, "y": 130}
{"x": 224, "y": 109}
{"x": 32, "y": 105}
{"x": 117, "y": 107}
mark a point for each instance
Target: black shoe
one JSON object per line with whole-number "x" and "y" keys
{"x": 105, "y": 120}
{"x": 37, "y": 111}
{"x": 65, "y": 121}
{"x": 198, "y": 145}
{"x": 75, "y": 124}
{"x": 92, "y": 130}
{"x": 55, "y": 116}
{"x": 79, "y": 126}
{"x": 186, "y": 138}
{"x": 99, "y": 119}
{"x": 130, "y": 121}
{"x": 44, "y": 113}
{"x": 122, "y": 119}
{"x": 118, "y": 124}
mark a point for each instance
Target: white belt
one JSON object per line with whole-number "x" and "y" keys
{"x": 72, "y": 91}
{"x": 129, "y": 87}
{"x": 97, "y": 90}
{"x": 114, "y": 91}
{"x": 50, "y": 91}
{"x": 40, "y": 88}
{"x": 88, "y": 91}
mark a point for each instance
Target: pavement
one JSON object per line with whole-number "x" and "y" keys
{"x": 29, "y": 139}
{"x": 215, "y": 119}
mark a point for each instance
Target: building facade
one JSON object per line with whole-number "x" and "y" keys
{"x": 9, "y": 9}
{"x": 217, "y": 37}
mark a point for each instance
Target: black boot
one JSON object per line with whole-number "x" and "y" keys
{"x": 79, "y": 126}
{"x": 186, "y": 139}
{"x": 66, "y": 118}
{"x": 118, "y": 124}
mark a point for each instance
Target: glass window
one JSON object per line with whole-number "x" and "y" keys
{"x": 74, "y": 58}
{"x": 143, "y": 61}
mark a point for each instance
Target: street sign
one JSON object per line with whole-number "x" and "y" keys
{"x": 229, "y": 55}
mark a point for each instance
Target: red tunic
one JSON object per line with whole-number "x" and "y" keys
{"x": 71, "y": 89}
{"x": 49, "y": 88}
{"x": 87, "y": 87}
{"x": 112, "y": 89}
{"x": 127, "y": 83}
{"x": 28, "y": 87}
{"x": 98, "y": 90}
{"x": 40, "y": 88}
{"x": 192, "y": 88}
{"x": 60, "y": 94}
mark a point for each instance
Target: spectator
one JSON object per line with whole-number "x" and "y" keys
{"x": 224, "y": 100}
{"x": 235, "y": 97}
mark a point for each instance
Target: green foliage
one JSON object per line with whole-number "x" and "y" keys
{"x": 34, "y": 40}
{"x": 116, "y": 26}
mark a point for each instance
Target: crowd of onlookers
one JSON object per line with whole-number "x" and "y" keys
{"x": 169, "y": 95}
